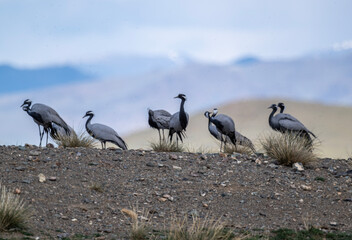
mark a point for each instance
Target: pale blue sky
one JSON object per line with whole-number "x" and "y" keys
{"x": 45, "y": 32}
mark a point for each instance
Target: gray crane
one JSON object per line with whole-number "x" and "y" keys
{"x": 225, "y": 125}
{"x": 283, "y": 122}
{"x": 103, "y": 133}
{"x": 179, "y": 121}
{"x": 241, "y": 140}
{"x": 159, "y": 119}
{"x": 44, "y": 116}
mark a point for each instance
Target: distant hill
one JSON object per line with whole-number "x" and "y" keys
{"x": 16, "y": 79}
{"x": 331, "y": 124}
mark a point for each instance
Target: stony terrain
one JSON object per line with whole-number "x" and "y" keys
{"x": 85, "y": 189}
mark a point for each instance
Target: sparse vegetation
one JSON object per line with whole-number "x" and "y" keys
{"x": 139, "y": 229}
{"x": 76, "y": 140}
{"x": 230, "y": 148}
{"x": 96, "y": 187}
{"x": 206, "y": 229}
{"x": 289, "y": 148}
{"x": 13, "y": 211}
{"x": 166, "y": 146}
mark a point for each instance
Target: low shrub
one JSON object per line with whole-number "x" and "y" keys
{"x": 289, "y": 148}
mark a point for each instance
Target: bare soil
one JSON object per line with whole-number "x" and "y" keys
{"x": 85, "y": 190}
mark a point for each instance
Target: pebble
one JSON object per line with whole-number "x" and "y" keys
{"x": 52, "y": 178}
{"x": 298, "y": 167}
{"x": 334, "y": 224}
{"x": 41, "y": 177}
{"x": 173, "y": 156}
{"x": 176, "y": 167}
{"x": 20, "y": 168}
{"x": 258, "y": 161}
{"x": 149, "y": 164}
{"x": 272, "y": 165}
{"x": 203, "y": 157}
{"x": 34, "y": 153}
{"x": 306, "y": 188}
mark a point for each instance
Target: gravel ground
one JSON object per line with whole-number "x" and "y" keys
{"x": 246, "y": 192}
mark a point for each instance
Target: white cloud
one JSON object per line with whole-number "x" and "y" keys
{"x": 345, "y": 45}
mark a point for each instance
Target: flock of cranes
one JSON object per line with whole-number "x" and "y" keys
{"x": 221, "y": 126}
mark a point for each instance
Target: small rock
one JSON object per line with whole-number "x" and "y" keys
{"x": 63, "y": 235}
{"x": 301, "y": 200}
{"x": 26, "y": 181}
{"x": 149, "y": 164}
{"x": 17, "y": 191}
{"x": 41, "y": 177}
{"x": 52, "y": 178}
{"x": 20, "y": 168}
{"x": 162, "y": 199}
{"x": 74, "y": 219}
{"x": 176, "y": 167}
{"x": 205, "y": 205}
{"x": 298, "y": 167}
{"x": 258, "y": 161}
{"x": 203, "y": 157}
{"x": 50, "y": 145}
{"x": 64, "y": 217}
{"x": 334, "y": 224}
{"x": 34, "y": 153}
{"x": 93, "y": 164}
{"x": 306, "y": 188}
{"x": 173, "y": 156}
{"x": 272, "y": 165}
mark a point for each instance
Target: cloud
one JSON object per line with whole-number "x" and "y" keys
{"x": 345, "y": 45}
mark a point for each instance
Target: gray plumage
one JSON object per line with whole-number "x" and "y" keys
{"x": 103, "y": 133}
{"x": 283, "y": 122}
{"x": 57, "y": 131}
{"x": 179, "y": 121}
{"x": 44, "y": 116}
{"x": 159, "y": 119}
{"x": 240, "y": 139}
{"x": 224, "y": 124}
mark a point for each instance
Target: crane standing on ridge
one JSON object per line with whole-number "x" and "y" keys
{"x": 225, "y": 125}
{"x": 103, "y": 133}
{"x": 283, "y": 122}
{"x": 179, "y": 121}
{"x": 159, "y": 119}
{"x": 45, "y": 116}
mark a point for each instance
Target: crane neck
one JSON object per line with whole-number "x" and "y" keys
{"x": 282, "y": 109}
{"x": 88, "y": 122}
{"x": 183, "y": 116}
{"x": 272, "y": 115}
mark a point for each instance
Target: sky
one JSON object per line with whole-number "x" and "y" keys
{"x": 38, "y": 33}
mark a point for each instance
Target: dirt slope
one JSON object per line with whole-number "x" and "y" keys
{"x": 245, "y": 194}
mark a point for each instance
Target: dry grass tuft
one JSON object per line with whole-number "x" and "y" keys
{"x": 74, "y": 140}
{"x": 230, "y": 148}
{"x": 13, "y": 211}
{"x": 166, "y": 146}
{"x": 289, "y": 148}
{"x": 206, "y": 229}
{"x": 96, "y": 187}
{"x": 139, "y": 229}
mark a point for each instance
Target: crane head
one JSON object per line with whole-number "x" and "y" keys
{"x": 27, "y": 102}
{"x": 206, "y": 114}
{"x": 181, "y": 96}
{"x": 89, "y": 113}
{"x": 215, "y": 111}
{"x": 273, "y": 106}
{"x": 280, "y": 104}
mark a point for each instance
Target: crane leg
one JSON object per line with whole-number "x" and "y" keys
{"x": 163, "y": 135}
{"x": 159, "y": 136}
{"x": 41, "y": 136}
{"x": 102, "y": 145}
{"x": 47, "y": 136}
{"x": 220, "y": 145}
